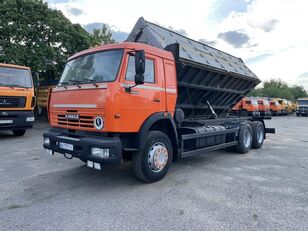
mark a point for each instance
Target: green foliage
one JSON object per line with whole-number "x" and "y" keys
{"x": 34, "y": 35}
{"x": 103, "y": 36}
{"x": 279, "y": 89}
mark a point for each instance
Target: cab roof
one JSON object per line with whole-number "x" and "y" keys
{"x": 126, "y": 45}
{"x": 13, "y": 66}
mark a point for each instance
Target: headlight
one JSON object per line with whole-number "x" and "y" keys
{"x": 47, "y": 141}
{"x": 100, "y": 152}
{"x": 30, "y": 119}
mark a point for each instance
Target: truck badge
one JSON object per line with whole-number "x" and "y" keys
{"x": 99, "y": 122}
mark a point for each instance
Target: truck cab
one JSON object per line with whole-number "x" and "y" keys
{"x": 264, "y": 107}
{"x": 275, "y": 107}
{"x": 17, "y": 99}
{"x": 247, "y": 107}
{"x": 302, "y": 107}
{"x": 283, "y": 105}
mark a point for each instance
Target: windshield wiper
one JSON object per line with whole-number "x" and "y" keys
{"x": 85, "y": 80}
{"x": 70, "y": 82}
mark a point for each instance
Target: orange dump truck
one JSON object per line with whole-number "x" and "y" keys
{"x": 275, "y": 107}
{"x": 16, "y": 98}
{"x": 150, "y": 103}
{"x": 264, "y": 107}
{"x": 248, "y": 106}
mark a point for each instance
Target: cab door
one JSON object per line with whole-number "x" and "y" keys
{"x": 145, "y": 99}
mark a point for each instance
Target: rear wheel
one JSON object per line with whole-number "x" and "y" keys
{"x": 151, "y": 163}
{"x": 245, "y": 139}
{"x": 257, "y": 134}
{"x": 19, "y": 132}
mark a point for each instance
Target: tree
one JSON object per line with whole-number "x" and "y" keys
{"x": 103, "y": 35}
{"x": 298, "y": 92}
{"x": 34, "y": 35}
{"x": 279, "y": 89}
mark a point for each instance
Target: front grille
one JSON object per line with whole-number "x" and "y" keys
{"x": 83, "y": 121}
{"x": 12, "y": 102}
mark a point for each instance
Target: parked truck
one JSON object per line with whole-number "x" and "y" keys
{"x": 264, "y": 106}
{"x": 16, "y": 99}
{"x": 302, "y": 107}
{"x": 153, "y": 99}
{"x": 283, "y": 105}
{"x": 248, "y": 106}
{"x": 275, "y": 107}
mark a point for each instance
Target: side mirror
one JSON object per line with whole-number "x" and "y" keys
{"x": 139, "y": 66}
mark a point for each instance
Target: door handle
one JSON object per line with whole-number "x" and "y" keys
{"x": 156, "y": 100}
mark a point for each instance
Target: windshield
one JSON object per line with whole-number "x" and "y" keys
{"x": 265, "y": 102}
{"x": 14, "y": 77}
{"x": 254, "y": 102}
{"x": 98, "y": 67}
{"x": 302, "y": 102}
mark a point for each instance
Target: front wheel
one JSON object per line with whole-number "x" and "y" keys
{"x": 151, "y": 163}
{"x": 19, "y": 132}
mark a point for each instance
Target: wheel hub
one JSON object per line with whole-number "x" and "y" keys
{"x": 260, "y": 135}
{"x": 247, "y": 138}
{"x": 157, "y": 157}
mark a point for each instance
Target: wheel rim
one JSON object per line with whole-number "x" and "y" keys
{"x": 157, "y": 157}
{"x": 260, "y": 135}
{"x": 247, "y": 138}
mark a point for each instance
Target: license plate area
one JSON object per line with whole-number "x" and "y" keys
{"x": 66, "y": 146}
{"x": 6, "y": 121}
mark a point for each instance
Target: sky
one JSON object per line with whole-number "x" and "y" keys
{"x": 271, "y": 36}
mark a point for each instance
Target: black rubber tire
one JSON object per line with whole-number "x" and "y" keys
{"x": 297, "y": 115}
{"x": 241, "y": 147}
{"x": 140, "y": 159}
{"x": 19, "y": 132}
{"x": 256, "y": 125}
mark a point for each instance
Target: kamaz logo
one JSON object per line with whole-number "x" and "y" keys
{"x": 3, "y": 101}
{"x": 72, "y": 116}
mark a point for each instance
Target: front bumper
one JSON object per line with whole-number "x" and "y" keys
{"x": 16, "y": 120}
{"x": 254, "y": 113}
{"x": 82, "y": 145}
{"x": 265, "y": 113}
{"x": 302, "y": 111}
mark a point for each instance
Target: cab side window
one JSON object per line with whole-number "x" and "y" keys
{"x": 149, "y": 76}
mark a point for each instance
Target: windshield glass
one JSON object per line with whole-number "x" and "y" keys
{"x": 265, "y": 102}
{"x": 98, "y": 67}
{"x": 254, "y": 102}
{"x": 302, "y": 102}
{"x": 14, "y": 77}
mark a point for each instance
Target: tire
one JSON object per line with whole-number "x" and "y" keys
{"x": 145, "y": 167}
{"x": 244, "y": 145}
{"x": 19, "y": 132}
{"x": 257, "y": 134}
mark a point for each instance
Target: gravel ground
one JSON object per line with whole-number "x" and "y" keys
{"x": 266, "y": 189}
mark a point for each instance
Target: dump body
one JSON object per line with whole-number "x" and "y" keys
{"x": 16, "y": 98}
{"x": 203, "y": 72}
